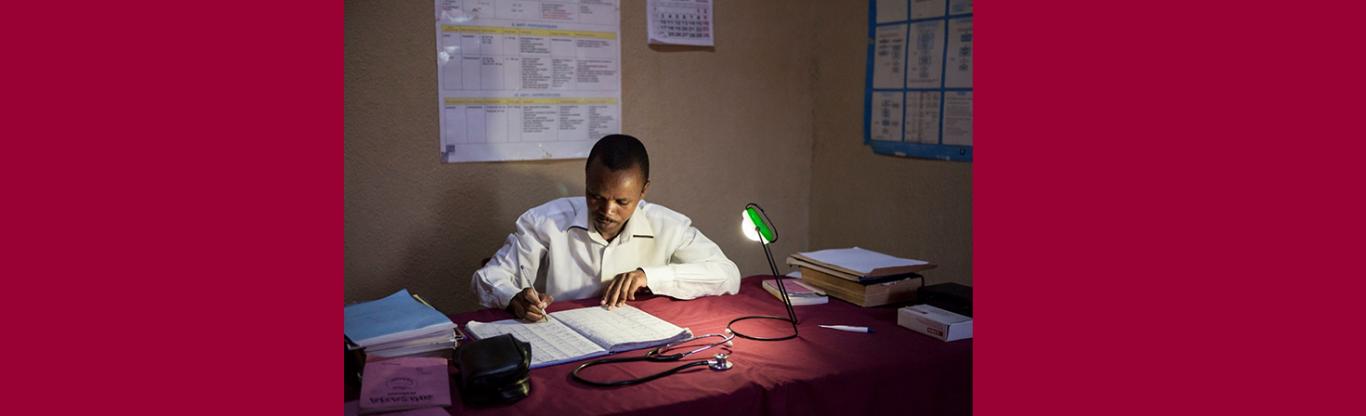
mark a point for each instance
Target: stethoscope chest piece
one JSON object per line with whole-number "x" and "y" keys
{"x": 720, "y": 363}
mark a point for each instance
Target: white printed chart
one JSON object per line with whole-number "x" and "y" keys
{"x": 918, "y": 94}
{"x": 526, "y": 80}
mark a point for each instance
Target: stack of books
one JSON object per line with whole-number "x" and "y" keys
{"x": 862, "y": 277}
{"x": 797, "y": 292}
{"x": 398, "y": 325}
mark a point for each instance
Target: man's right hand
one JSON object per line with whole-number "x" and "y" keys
{"x": 529, "y": 305}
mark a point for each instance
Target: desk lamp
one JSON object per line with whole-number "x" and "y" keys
{"x": 756, "y": 225}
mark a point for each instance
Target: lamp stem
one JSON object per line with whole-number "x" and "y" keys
{"x": 782, "y": 288}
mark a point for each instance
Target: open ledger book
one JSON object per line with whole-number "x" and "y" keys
{"x": 576, "y": 334}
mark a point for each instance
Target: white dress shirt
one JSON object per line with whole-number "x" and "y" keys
{"x": 554, "y": 244}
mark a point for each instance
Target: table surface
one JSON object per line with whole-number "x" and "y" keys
{"x": 823, "y": 371}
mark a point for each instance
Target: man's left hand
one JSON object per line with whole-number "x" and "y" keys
{"x": 623, "y": 288}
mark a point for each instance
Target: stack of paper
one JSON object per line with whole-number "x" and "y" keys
{"x": 859, "y": 276}
{"x": 398, "y": 325}
{"x": 859, "y": 264}
{"x": 441, "y": 340}
{"x": 799, "y": 293}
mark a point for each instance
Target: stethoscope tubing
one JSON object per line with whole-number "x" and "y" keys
{"x": 655, "y": 356}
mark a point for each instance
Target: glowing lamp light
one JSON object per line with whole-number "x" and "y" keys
{"x": 754, "y": 223}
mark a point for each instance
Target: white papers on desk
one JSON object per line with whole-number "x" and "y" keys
{"x": 440, "y": 340}
{"x": 680, "y": 22}
{"x": 551, "y": 341}
{"x": 859, "y": 260}
{"x": 576, "y": 334}
{"x": 622, "y": 329}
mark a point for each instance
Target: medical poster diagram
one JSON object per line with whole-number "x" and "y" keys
{"x": 526, "y": 80}
{"x": 918, "y": 93}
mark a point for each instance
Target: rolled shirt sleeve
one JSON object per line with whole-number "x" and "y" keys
{"x": 696, "y": 268}
{"x": 514, "y": 267}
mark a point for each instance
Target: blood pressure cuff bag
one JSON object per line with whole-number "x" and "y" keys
{"x": 494, "y": 370}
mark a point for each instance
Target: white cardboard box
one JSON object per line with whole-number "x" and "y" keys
{"x": 935, "y": 322}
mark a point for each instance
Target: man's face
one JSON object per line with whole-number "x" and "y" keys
{"x": 613, "y": 197}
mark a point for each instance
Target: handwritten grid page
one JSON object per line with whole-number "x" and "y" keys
{"x": 551, "y": 341}
{"x": 622, "y": 329}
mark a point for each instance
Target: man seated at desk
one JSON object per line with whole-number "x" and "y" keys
{"x": 610, "y": 243}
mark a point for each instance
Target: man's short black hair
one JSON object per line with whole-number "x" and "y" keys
{"x": 618, "y": 152}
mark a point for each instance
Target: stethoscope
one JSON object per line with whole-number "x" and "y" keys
{"x": 719, "y": 362}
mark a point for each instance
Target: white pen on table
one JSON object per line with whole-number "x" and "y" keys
{"x": 847, "y": 328}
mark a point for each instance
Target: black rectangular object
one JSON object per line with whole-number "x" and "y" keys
{"x": 494, "y": 370}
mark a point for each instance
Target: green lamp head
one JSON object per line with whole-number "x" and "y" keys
{"x": 755, "y": 223}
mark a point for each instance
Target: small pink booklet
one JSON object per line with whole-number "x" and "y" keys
{"x": 404, "y": 383}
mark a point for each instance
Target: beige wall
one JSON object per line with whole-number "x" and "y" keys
{"x": 907, "y": 207}
{"x": 724, "y": 126}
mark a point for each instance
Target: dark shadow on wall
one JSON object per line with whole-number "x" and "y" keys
{"x": 474, "y": 218}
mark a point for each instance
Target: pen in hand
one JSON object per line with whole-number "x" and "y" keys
{"x": 530, "y": 305}
{"x": 539, "y": 309}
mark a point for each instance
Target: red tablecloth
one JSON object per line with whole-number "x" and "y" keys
{"x": 823, "y": 371}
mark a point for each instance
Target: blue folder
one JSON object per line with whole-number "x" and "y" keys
{"x": 397, "y": 316}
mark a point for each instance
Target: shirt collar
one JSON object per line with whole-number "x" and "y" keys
{"x": 638, "y": 226}
{"x": 580, "y": 216}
